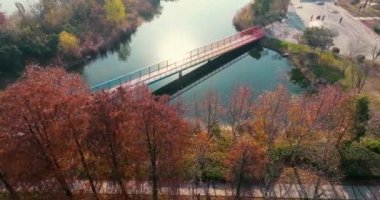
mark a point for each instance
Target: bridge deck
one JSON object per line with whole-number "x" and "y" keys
{"x": 167, "y": 68}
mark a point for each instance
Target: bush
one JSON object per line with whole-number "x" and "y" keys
{"x": 327, "y": 58}
{"x": 372, "y": 145}
{"x": 376, "y": 28}
{"x": 361, "y": 117}
{"x": 335, "y": 50}
{"x": 312, "y": 57}
{"x": 359, "y": 162}
{"x": 300, "y": 156}
{"x": 275, "y": 44}
{"x": 326, "y": 72}
{"x": 297, "y": 77}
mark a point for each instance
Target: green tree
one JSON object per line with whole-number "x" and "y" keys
{"x": 34, "y": 42}
{"x": 318, "y": 37}
{"x": 10, "y": 55}
{"x": 361, "y": 117}
{"x": 115, "y": 10}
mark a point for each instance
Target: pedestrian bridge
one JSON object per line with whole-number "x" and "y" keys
{"x": 159, "y": 71}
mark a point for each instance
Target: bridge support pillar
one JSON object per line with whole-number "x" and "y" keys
{"x": 180, "y": 74}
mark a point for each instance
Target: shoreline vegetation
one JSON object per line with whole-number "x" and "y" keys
{"x": 68, "y": 33}
{"x": 260, "y": 12}
{"x": 314, "y": 65}
{"x": 263, "y": 13}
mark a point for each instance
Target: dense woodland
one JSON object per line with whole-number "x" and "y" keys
{"x": 55, "y": 135}
{"x": 64, "y": 32}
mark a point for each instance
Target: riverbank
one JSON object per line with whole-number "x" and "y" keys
{"x": 68, "y": 35}
{"x": 277, "y": 30}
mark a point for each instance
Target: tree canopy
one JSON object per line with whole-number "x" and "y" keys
{"x": 115, "y": 10}
{"x": 68, "y": 42}
{"x": 318, "y": 37}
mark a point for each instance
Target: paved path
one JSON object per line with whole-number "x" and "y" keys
{"x": 299, "y": 191}
{"x": 367, "y": 18}
{"x": 278, "y": 191}
{"x": 293, "y": 191}
{"x": 350, "y": 31}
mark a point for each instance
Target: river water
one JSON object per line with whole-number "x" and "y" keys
{"x": 182, "y": 26}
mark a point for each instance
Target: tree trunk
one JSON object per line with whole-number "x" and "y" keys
{"x": 239, "y": 181}
{"x": 64, "y": 186}
{"x": 115, "y": 166}
{"x": 238, "y": 190}
{"x": 207, "y": 193}
{"x": 9, "y": 187}
{"x": 85, "y": 167}
{"x": 154, "y": 178}
{"x": 365, "y": 3}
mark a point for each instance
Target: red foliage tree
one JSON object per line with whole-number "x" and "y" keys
{"x": 161, "y": 134}
{"x": 110, "y": 137}
{"x": 34, "y": 115}
{"x": 246, "y": 163}
{"x": 239, "y": 108}
{"x": 211, "y": 110}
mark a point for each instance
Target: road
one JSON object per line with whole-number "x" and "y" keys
{"x": 351, "y": 30}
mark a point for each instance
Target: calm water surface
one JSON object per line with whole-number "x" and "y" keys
{"x": 8, "y": 6}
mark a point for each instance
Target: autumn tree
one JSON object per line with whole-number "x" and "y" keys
{"x": 109, "y": 138}
{"x": 76, "y": 121}
{"x": 269, "y": 112}
{"x": 115, "y": 11}
{"x": 68, "y": 42}
{"x": 246, "y": 162}
{"x": 210, "y": 111}
{"x": 239, "y": 108}
{"x": 160, "y": 133}
{"x": 206, "y": 159}
{"x": 4, "y": 152}
{"x": 359, "y": 74}
{"x": 31, "y": 116}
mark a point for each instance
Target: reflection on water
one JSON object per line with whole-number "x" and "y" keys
{"x": 261, "y": 75}
{"x": 8, "y": 6}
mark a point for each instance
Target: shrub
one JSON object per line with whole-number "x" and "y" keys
{"x": 327, "y": 58}
{"x": 372, "y": 145}
{"x": 312, "y": 57}
{"x": 361, "y": 117}
{"x": 328, "y": 73}
{"x": 300, "y": 156}
{"x": 359, "y": 162}
{"x": 376, "y": 28}
{"x": 297, "y": 77}
{"x": 335, "y": 50}
{"x": 360, "y": 58}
